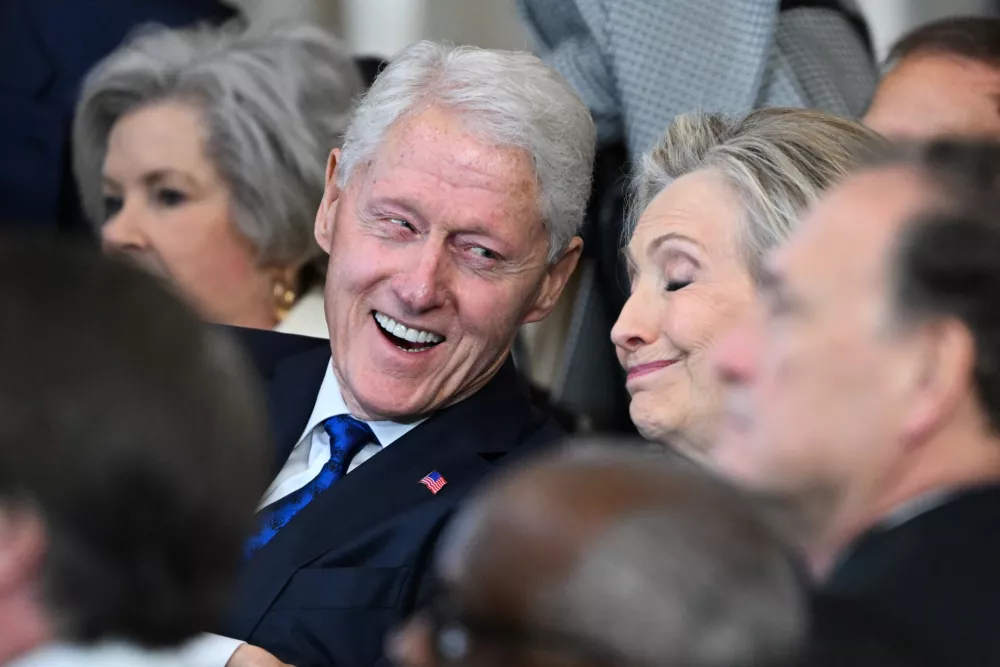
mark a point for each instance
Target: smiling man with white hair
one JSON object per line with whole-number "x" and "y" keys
{"x": 450, "y": 218}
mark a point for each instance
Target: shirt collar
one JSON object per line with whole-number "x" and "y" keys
{"x": 915, "y": 507}
{"x": 330, "y": 402}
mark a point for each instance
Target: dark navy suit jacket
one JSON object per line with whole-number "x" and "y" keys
{"x": 46, "y": 48}
{"x": 935, "y": 576}
{"x": 357, "y": 560}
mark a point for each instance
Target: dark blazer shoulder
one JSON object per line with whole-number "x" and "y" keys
{"x": 935, "y": 575}
{"x": 269, "y": 349}
{"x": 291, "y": 370}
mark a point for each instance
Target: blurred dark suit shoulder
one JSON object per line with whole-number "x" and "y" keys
{"x": 845, "y": 633}
{"x": 936, "y": 576}
{"x": 46, "y": 49}
{"x": 356, "y": 561}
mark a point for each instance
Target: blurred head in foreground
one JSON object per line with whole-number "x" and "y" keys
{"x": 131, "y": 455}
{"x": 608, "y": 556}
{"x": 869, "y": 373}
{"x": 943, "y": 79}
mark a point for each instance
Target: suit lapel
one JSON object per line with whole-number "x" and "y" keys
{"x": 460, "y": 443}
{"x": 291, "y": 397}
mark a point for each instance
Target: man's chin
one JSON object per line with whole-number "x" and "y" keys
{"x": 389, "y": 399}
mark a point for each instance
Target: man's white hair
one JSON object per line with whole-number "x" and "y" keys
{"x": 508, "y": 98}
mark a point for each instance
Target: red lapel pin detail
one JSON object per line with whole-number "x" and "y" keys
{"x": 434, "y": 481}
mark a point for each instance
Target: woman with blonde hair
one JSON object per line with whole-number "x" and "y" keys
{"x": 713, "y": 196}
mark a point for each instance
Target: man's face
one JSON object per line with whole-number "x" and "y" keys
{"x": 937, "y": 95}
{"x": 437, "y": 256}
{"x": 815, "y": 379}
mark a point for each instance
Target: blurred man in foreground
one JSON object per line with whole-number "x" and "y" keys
{"x": 131, "y": 457}
{"x": 609, "y": 556}
{"x": 943, "y": 80}
{"x": 864, "y": 395}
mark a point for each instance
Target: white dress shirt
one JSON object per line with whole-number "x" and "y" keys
{"x": 102, "y": 654}
{"x": 307, "y": 458}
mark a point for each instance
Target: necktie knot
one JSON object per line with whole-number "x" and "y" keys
{"x": 347, "y": 429}
{"x": 347, "y": 437}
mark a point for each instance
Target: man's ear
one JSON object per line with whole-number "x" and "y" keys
{"x": 556, "y": 277}
{"x": 327, "y": 212}
{"x": 942, "y": 377}
{"x": 22, "y": 546}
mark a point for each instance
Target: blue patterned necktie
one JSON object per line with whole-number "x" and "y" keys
{"x": 347, "y": 437}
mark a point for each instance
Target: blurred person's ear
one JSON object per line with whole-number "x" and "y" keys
{"x": 941, "y": 375}
{"x": 22, "y": 547}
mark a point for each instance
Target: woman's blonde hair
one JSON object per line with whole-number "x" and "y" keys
{"x": 777, "y": 160}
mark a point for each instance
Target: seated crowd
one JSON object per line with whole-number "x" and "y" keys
{"x": 811, "y": 345}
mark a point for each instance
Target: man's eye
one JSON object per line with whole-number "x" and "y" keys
{"x": 483, "y": 253}
{"x": 399, "y": 222}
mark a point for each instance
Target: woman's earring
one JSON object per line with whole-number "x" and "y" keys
{"x": 284, "y": 298}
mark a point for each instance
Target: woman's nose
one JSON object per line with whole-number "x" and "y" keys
{"x": 634, "y": 327}
{"x": 124, "y": 231}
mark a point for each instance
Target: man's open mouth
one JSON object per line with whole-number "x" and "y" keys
{"x": 404, "y": 337}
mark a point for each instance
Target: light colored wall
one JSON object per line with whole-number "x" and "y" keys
{"x": 324, "y": 12}
{"x": 381, "y": 27}
{"x": 889, "y": 19}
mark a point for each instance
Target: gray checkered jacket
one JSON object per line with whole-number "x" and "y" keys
{"x": 639, "y": 63}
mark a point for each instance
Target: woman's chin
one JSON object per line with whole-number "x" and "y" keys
{"x": 652, "y": 426}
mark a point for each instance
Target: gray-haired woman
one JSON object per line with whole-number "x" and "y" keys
{"x": 710, "y": 200}
{"x": 201, "y": 153}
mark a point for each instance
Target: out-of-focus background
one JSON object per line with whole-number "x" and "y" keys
{"x": 569, "y": 358}
{"x": 383, "y": 26}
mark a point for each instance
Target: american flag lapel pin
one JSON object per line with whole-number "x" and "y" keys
{"x": 434, "y": 481}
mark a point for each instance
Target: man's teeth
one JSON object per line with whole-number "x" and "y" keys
{"x": 401, "y": 331}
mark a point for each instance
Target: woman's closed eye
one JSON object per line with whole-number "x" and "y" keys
{"x": 679, "y": 270}
{"x": 674, "y": 285}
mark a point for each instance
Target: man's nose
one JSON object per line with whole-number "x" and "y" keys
{"x": 423, "y": 285}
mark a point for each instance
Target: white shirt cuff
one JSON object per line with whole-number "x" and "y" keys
{"x": 209, "y": 650}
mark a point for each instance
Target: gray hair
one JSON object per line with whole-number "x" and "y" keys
{"x": 778, "y": 161}
{"x": 274, "y": 103}
{"x": 510, "y": 99}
